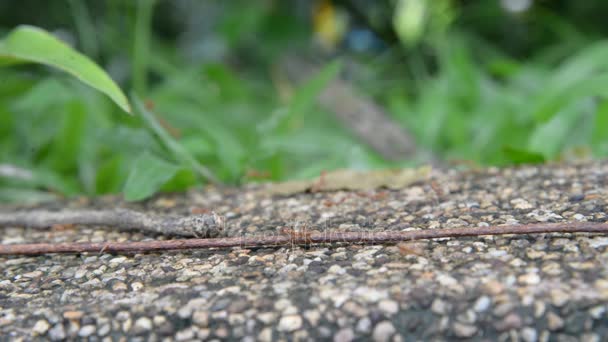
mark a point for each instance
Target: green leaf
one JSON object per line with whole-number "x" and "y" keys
{"x": 600, "y": 131}
{"x": 170, "y": 143}
{"x": 32, "y": 44}
{"x": 306, "y": 95}
{"x": 521, "y": 156}
{"x": 148, "y": 174}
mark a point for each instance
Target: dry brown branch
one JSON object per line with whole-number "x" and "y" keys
{"x": 368, "y": 238}
{"x": 204, "y": 225}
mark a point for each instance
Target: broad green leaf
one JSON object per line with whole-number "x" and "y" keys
{"x": 32, "y": 44}
{"x": 147, "y": 176}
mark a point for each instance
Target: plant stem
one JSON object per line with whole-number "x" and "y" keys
{"x": 141, "y": 44}
{"x": 365, "y": 238}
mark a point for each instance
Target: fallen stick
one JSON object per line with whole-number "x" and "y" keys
{"x": 386, "y": 237}
{"x": 204, "y": 225}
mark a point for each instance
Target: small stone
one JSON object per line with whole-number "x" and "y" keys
{"x": 336, "y": 269}
{"x": 201, "y": 318}
{"x": 119, "y": 286}
{"x": 126, "y": 325}
{"x": 121, "y": 316}
{"x": 313, "y": 317}
{"x": 554, "y": 322}
{"x": 383, "y": 331}
{"x": 590, "y": 337}
{"x": 464, "y": 330}
{"x": 370, "y": 295}
{"x": 236, "y": 319}
{"x": 439, "y": 307}
{"x": 558, "y": 297}
{"x": 57, "y": 332}
{"x": 87, "y": 330}
{"x": 503, "y": 309}
{"x": 539, "y": 309}
{"x": 117, "y": 260}
{"x": 41, "y": 327}
{"x": 597, "y": 311}
{"x": 104, "y": 330}
{"x": 344, "y": 335}
{"x": 184, "y": 335}
{"x": 520, "y": 203}
{"x": 529, "y": 334}
{"x": 364, "y": 325}
{"x": 142, "y": 324}
{"x": 33, "y": 274}
{"x": 73, "y": 315}
{"x": 529, "y": 279}
{"x": 482, "y": 304}
{"x": 389, "y": 307}
{"x": 511, "y": 321}
{"x": 493, "y": 287}
{"x": 267, "y": 317}
{"x": 222, "y": 332}
{"x": 265, "y": 335}
{"x": 202, "y": 334}
{"x": 534, "y": 254}
{"x": 136, "y": 286}
{"x": 290, "y": 323}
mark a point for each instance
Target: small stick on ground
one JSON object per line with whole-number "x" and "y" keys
{"x": 203, "y": 225}
{"x": 367, "y": 238}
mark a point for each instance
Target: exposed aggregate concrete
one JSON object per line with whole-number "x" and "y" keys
{"x": 532, "y": 288}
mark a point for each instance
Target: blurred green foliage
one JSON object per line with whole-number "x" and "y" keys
{"x": 484, "y": 81}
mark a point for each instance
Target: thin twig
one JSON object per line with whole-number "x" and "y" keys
{"x": 204, "y": 225}
{"x": 386, "y": 237}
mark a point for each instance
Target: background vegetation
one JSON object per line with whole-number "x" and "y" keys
{"x": 491, "y": 82}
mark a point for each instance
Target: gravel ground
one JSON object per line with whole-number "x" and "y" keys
{"x": 532, "y": 288}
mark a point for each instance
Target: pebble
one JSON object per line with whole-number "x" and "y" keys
{"x": 119, "y": 286}
{"x": 597, "y": 312}
{"x": 529, "y": 334}
{"x": 104, "y": 330}
{"x": 73, "y": 315}
{"x": 383, "y": 331}
{"x": 364, "y": 325}
{"x": 136, "y": 286}
{"x": 464, "y": 330}
{"x": 482, "y": 304}
{"x": 184, "y": 335}
{"x": 336, "y": 269}
{"x": 41, "y": 327}
{"x": 559, "y": 297}
{"x": 439, "y": 307}
{"x": 87, "y": 330}
{"x": 389, "y": 307}
{"x": 33, "y": 274}
{"x": 529, "y": 279}
{"x": 290, "y": 323}
{"x": 554, "y": 322}
{"x": 200, "y": 318}
{"x": 370, "y": 295}
{"x": 511, "y": 321}
{"x": 265, "y": 335}
{"x": 142, "y": 324}
{"x": 344, "y": 335}
{"x": 57, "y": 332}
{"x": 313, "y": 317}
